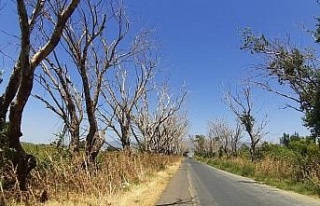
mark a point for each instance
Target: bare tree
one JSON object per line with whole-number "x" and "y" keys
{"x": 20, "y": 84}
{"x": 235, "y": 138}
{"x": 241, "y": 105}
{"x": 171, "y": 132}
{"x": 66, "y": 101}
{"x": 122, "y": 92}
{"x": 220, "y": 132}
{"x": 93, "y": 52}
{"x": 151, "y": 123}
{"x": 83, "y": 37}
{"x": 222, "y": 136}
{"x": 80, "y": 42}
{"x": 207, "y": 146}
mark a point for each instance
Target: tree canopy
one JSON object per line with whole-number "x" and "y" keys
{"x": 293, "y": 68}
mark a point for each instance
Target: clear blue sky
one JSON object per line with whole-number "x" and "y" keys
{"x": 200, "y": 43}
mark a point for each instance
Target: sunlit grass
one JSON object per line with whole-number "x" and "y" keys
{"x": 278, "y": 173}
{"x": 66, "y": 181}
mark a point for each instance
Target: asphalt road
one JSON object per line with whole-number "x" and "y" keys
{"x": 199, "y": 184}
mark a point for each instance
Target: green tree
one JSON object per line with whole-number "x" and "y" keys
{"x": 293, "y": 68}
{"x": 199, "y": 143}
{"x": 285, "y": 139}
{"x": 312, "y": 116}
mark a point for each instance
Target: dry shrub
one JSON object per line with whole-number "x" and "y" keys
{"x": 277, "y": 168}
{"x": 61, "y": 178}
{"x": 287, "y": 172}
{"x": 267, "y": 167}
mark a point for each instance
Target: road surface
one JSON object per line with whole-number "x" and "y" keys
{"x": 199, "y": 184}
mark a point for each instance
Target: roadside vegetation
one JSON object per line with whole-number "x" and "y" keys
{"x": 291, "y": 165}
{"x": 61, "y": 179}
{"x": 286, "y": 70}
{"x": 100, "y": 76}
{"x": 293, "y": 73}
{"x": 289, "y": 72}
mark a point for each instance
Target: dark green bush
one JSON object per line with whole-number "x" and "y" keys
{"x": 247, "y": 171}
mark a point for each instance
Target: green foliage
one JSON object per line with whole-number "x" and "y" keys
{"x": 244, "y": 151}
{"x": 293, "y": 164}
{"x": 312, "y": 119}
{"x": 253, "y": 43}
{"x": 247, "y": 170}
{"x": 294, "y": 68}
{"x": 7, "y": 157}
{"x": 247, "y": 120}
{"x": 276, "y": 152}
{"x": 287, "y": 138}
{"x": 317, "y": 33}
{"x": 6, "y": 153}
{"x": 199, "y": 142}
{"x": 3, "y": 147}
{"x": 111, "y": 148}
{"x": 47, "y": 155}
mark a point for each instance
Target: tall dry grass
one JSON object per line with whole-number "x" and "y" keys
{"x": 280, "y": 172}
{"x": 58, "y": 177}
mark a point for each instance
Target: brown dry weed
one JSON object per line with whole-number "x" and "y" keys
{"x": 119, "y": 179}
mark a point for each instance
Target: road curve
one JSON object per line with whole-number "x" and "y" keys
{"x": 199, "y": 184}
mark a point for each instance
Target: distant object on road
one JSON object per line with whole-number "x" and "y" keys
{"x": 188, "y": 154}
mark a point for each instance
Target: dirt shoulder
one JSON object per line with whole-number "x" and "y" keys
{"x": 147, "y": 193}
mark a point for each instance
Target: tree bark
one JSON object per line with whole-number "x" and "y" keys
{"x": 95, "y": 147}
{"x": 22, "y": 161}
{"x": 75, "y": 134}
{"x": 20, "y": 86}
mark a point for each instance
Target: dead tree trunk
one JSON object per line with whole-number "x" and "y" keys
{"x": 20, "y": 84}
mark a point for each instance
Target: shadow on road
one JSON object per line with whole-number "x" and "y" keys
{"x": 178, "y": 202}
{"x": 248, "y": 182}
